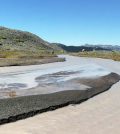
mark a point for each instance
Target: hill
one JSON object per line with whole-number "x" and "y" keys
{"x": 24, "y": 48}
{"x": 57, "y": 48}
{"x": 12, "y": 41}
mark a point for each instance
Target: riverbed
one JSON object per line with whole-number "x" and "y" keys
{"x": 50, "y": 78}
{"x": 99, "y": 115}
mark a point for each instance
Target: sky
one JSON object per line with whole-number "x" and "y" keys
{"x": 71, "y": 22}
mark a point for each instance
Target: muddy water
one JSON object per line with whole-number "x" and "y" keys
{"x": 52, "y": 73}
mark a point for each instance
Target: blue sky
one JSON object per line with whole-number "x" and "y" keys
{"x": 72, "y": 22}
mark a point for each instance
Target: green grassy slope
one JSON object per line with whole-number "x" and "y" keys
{"x": 19, "y": 43}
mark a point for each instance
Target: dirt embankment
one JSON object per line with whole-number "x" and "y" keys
{"x": 23, "y": 107}
{"x": 28, "y": 61}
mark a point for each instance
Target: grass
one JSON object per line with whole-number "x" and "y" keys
{"x": 114, "y": 55}
{"x": 19, "y": 58}
{"x": 25, "y": 54}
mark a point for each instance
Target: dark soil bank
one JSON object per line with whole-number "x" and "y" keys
{"x": 29, "y": 61}
{"x": 22, "y": 107}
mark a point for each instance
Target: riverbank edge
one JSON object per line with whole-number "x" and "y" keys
{"x": 23, "y": 107}
{"x": 28, "y": 61}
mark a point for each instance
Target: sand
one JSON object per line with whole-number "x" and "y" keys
{"x": 98, "y": 115}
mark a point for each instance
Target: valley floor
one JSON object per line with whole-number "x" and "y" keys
{"x": 98, "y": 115}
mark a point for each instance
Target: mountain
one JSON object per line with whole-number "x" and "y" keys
{"x": 109, "y": 47}
{"x": 77, "y": 48}
{"x": 16, "y": 40}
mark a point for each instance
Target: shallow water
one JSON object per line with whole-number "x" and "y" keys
{"x": 27, "y": 79}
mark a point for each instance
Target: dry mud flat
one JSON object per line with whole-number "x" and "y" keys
{"x": 14, "y": 109}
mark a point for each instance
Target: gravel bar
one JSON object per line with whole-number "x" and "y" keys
{"x": 14, "y": 109}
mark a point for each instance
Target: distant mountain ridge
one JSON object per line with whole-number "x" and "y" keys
{"x": 110, "y": 47}
{"x": 79, "y": 48}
